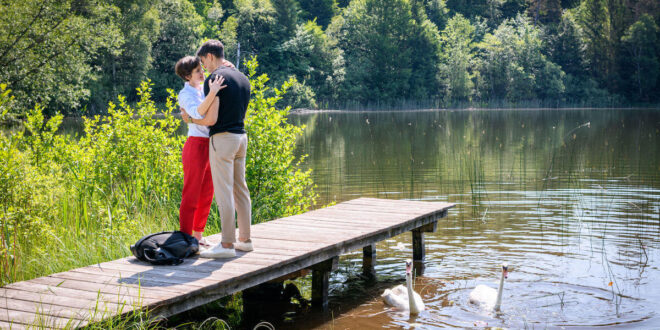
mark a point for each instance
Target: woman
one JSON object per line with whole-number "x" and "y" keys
{"x": 197, "y": 193}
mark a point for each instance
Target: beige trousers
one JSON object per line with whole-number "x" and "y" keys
{"x": 227, "y": 159}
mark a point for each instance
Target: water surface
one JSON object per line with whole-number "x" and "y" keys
{"x": 570, "y": 199}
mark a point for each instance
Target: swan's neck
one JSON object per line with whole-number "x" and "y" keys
{"x": 414, "y": 309}
{"x": 498, "y": 301}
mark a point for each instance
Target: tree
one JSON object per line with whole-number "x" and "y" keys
{"x": 437, "y": 12}
{"x": 511, "y": 8}
{"x": 594, "y": 19}
{"x": 180, "y": 35}
{"x": 489, "y": 9}
{"x": 513, "y": 66}
{"x": 125, "y": 68}
{"x": 320, "y": 10}
{"x": 309, "y": 57}
{"x": 457, "y": 57}
{"x": 46, "y": 50}
{"x": 566, "y": 46}
{"x": 641, "y": 42}
{"x": 545, "y": 11}
{"x": 212, "y": 12}
{"x": 286, "y": 16}
{"x": 378, "y": 38}
{"x": 254, "y": 25}
{"x": 425, "y": 46}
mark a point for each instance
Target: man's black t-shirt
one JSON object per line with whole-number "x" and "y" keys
{"x": 234, "y": 100}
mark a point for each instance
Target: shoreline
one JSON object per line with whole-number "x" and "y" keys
{"x": 302, "y": 111}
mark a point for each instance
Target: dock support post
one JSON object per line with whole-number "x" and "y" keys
{"x": 419, "y": 250}
{"x": 320, "y": 281}
{"x": 369, "y": 261}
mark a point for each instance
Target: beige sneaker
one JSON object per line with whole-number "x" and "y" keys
{"x": 244, "y": 246}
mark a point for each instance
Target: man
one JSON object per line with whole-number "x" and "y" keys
{"x": 227, "y": 151}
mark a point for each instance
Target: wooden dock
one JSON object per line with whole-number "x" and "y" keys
{"x": 283, "y": 248}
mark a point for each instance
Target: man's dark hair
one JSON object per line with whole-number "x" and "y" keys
{"x": 185, "y": 66}
{"x": 214, "y": 47}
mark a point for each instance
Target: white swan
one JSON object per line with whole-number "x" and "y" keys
{"x": 404, "y": 297}
{"x": 487, "y": 297}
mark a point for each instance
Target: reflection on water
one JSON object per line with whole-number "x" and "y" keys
{"x": 570, "y": 199}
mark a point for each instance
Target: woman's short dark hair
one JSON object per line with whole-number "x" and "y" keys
{"x": 214, "y": 47}
{"x": 185, "y": 66}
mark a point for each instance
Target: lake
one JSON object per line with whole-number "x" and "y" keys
{"x": 570, "y": 199}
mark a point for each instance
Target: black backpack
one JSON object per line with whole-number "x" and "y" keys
{"x": 165, "y": 248}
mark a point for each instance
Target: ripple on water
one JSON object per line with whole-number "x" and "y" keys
{"x": 524, "y": 303}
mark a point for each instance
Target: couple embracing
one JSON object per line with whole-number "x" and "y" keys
{"x": 214, "y": 153}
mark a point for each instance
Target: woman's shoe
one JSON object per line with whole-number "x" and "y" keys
{"x": 203, "y": 242}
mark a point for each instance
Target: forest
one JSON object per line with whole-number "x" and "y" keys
{"x": 74, "y": 56}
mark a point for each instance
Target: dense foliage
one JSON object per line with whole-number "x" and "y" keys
{"x": 70, "y": 201}
{"x": 74, "y": 56}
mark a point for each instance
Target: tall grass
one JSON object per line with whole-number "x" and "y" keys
{"x": 70, "y": 202}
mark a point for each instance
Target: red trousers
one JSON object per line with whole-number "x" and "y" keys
{"x": 197, "y": 185}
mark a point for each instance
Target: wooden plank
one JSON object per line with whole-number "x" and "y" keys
{"x": 292, "y": 227}
{"x": 36, "y": 292}
{"x": 417, "y": 207}
{"x": 380, "y": 201}
{"x": 38, "y": 321}
{"x": 297, "y": 247}
{"x": 116, "y": 290}
{"x": 66, "y": 312}
{"x": 12, "y": 326}
{"x": 312, "y": 224}
{"x": 390, "y": 210}
{"x": 343, "y": 213}
{"x": 147, "y": 280}
{"x": 108, "y": 280}
{"x": 242, "y": 260}
{"x": 287, "y": 236}
{"x": 323, "y": 223}
{"x": 178, "y": 275}
{"x": 263, "y": 253}
{"x": 349, "y": 222}
{"x": 360, "y": 215}
{"x": 136, "y": 277}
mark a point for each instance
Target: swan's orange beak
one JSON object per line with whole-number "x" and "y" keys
{"x": 505, "y": 271}
{"x": 408, "y": 267}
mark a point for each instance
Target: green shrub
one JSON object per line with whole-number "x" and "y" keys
{"x": 277, "y": 185}
{"x": 68, "y": 202}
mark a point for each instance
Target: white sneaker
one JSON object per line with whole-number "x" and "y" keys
{"x": 203, "y": 242}
{"x": 243, "y": 246}
{"x": 218, "y": 252}
{"x": 201, "y": 249}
